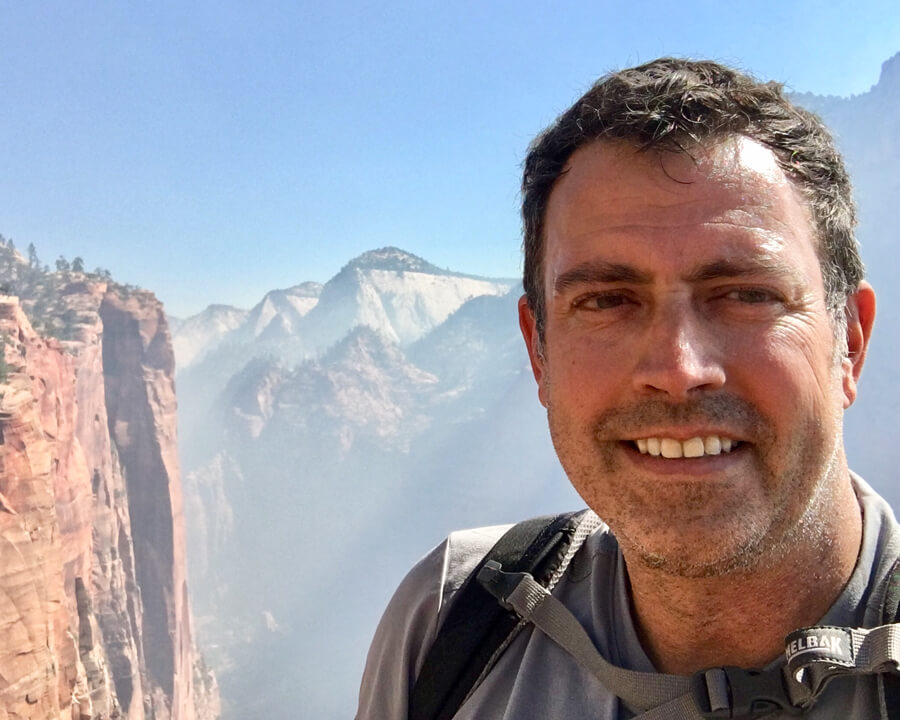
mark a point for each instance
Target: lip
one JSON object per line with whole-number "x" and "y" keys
{"x": 683, "y": 433}
{"x": 701, "y": 466}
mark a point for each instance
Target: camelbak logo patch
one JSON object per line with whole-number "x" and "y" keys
{"x": 830, "y": 644}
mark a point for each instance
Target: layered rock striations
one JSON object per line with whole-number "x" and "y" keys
{"x": 40, "y": 669}
{"x": 94, "y": 617}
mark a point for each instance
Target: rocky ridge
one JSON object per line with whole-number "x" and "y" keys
{"x": 94, "y": 616}
{"x": 396, "y": 293}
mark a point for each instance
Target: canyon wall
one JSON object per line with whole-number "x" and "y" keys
{"x": 94, "y": 615}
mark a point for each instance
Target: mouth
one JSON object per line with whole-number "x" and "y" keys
{"x": 695, "y": 447}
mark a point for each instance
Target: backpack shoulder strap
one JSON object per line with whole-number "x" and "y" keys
{"x": 891, "y": 610}
{"x": 891, "y": 614}
{"x": 477, "y": 626}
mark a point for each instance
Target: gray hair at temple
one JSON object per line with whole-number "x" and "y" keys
{"x": 671, "y": 104}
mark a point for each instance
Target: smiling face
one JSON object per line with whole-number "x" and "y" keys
{"x": 688, "y": 364}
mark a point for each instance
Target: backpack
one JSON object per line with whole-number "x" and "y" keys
{"x": 481, "y": 623}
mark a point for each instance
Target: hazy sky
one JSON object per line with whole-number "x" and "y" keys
{"x": 211, "y": 151}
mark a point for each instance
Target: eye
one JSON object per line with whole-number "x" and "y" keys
{"x": 753, "y": 295}
{"x": 602, "y": 301}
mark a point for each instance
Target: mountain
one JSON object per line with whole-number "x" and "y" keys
{"x": 193, "y": 338}
{"x": 398, "y": 294}
{"x": 389, "y": 290}
{"x": 276, "y": 316}
{"x": 96, "y": 617}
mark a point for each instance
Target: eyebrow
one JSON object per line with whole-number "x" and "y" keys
{"x": 760, "y": 265}
{"x": 599, "y": 271}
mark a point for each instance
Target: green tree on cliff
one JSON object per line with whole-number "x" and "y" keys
{"x": 5, "y": 367}
{"x": 33, "y": 259}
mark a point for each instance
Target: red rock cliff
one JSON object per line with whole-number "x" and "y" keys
{"x": 94, "y": 616}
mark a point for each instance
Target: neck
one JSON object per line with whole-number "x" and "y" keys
{"x": 740, "y": 618}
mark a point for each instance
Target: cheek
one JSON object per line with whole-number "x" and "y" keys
{"x": 794, "y": 367}
{"x": 585, "y": 373}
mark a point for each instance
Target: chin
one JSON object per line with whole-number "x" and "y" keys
{"x": 692, "y": 566}
{"x": 702, "y": 553}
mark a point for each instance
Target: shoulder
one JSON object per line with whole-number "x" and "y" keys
{"x": 420, "y": 605}
{"x": 463, "y": 550}
{"x": 411, "y": 620}
{"x": 879, "y": 554}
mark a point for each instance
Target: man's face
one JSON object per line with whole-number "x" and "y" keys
{"x": 685, "y": 314}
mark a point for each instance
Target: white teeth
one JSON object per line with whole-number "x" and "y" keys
{"x": 670, "y": 448}
{"x": 693, "y": 448}
{"x": 712, "y": 445}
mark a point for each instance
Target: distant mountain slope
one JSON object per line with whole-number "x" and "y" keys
{"x": 278, "y": 314}
{"x": 195, "y": 337}
{"x": 391, "y": 291}
{"x": 396, "y": 293}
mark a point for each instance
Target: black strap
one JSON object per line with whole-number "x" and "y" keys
{"x": 477, "y": 625}
{"x": 891, "y": 613}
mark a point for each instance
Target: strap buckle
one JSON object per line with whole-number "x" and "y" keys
{"x": 733, "y": 692}
{"x": 498, "y": 583}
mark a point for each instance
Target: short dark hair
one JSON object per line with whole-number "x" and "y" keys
{"x": 672, "y": 103}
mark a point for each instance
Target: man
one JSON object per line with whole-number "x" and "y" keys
{"x": 697, "y": 321}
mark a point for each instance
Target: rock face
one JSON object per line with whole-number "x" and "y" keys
{"x": 94, "y": 617}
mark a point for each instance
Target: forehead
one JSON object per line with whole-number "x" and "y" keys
{"x": 728, "y": 198}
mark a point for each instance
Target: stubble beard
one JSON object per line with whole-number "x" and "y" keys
{"x": 692, "y": 530}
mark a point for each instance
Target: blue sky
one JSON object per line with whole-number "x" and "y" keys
{"x": 211, "y": 151}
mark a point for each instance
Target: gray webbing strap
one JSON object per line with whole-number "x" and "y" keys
{"x": 818, "y": 654}
{"x": 639, "y": 691}
{"x": 814, "y": 656}
{"x": 718, "y": 692}
{"x": 586, "y": 527}
{"x": 533, "y": 603}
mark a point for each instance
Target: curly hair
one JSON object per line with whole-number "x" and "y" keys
{"x": 672, "y": 103}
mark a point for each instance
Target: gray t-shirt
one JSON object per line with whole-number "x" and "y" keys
{"x": 535, "y": 679}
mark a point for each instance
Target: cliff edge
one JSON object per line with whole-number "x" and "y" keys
{"x": 94, "y": 613}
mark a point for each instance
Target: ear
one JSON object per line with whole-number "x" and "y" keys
{"x": 860, "y": 311}
{"x": 528, "y": 326}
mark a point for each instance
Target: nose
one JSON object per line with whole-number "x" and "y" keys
{"x": 679, "y": 354}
